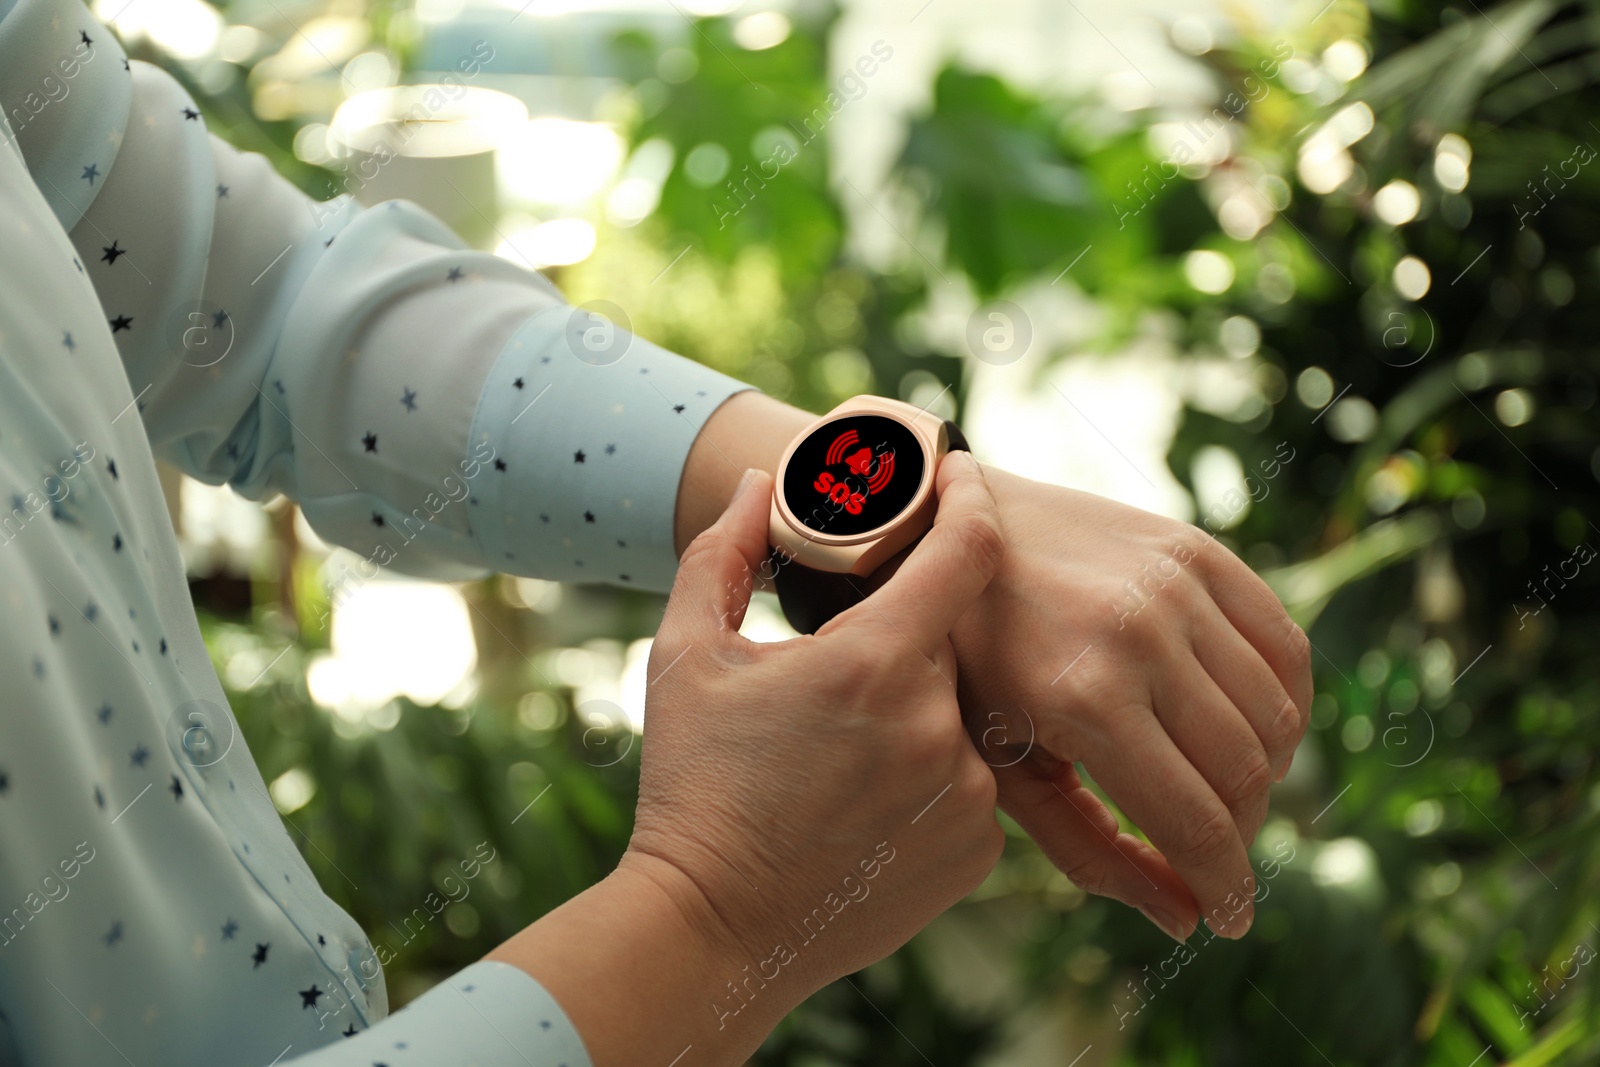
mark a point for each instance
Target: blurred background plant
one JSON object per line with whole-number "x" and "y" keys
{"x": 1322, "y": 277}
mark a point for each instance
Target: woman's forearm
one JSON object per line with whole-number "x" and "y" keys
{"x": 641, "y": 967}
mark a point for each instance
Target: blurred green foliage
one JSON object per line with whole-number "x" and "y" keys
{"x": 1433, "y": 859}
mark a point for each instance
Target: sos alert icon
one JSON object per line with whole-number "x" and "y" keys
{"x": 854, "y": 475}
{"x": 862, "y": 466}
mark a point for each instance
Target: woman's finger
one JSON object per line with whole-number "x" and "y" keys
{"x": 1215, "y": 737}
{"x": 717, "y": 571}
{"x": 1142, "y": 770}
{"x": 1080, "y": 836}
{"x": 948, "y": 568}
{"x": 1252, "y": 686}
{"x": 1258, "y": 616}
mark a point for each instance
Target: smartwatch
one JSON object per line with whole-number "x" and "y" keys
{"x": 852, "y": 490}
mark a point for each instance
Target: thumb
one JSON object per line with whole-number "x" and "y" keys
{"x": 950, "y": 566}
{"x": 718, "y": 570}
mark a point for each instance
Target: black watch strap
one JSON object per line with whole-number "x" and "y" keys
{"x": 810, "y": 597}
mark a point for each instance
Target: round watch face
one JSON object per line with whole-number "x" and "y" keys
{"x": 853, "y": 475}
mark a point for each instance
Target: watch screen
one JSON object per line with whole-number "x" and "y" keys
{"x": 853, "y": 475}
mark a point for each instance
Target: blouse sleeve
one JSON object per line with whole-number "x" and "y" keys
{"x": 436, "y": 409}
{"x": 488, "y": 1014}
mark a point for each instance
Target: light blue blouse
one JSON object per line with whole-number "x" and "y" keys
{"x": 435, "y": 409}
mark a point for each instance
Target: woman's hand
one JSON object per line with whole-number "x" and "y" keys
{"x": 779, "y": 779}
{"x": 1133, "y": 644}
{"x": 804, "y": 807}
{"x": 1144, "y": 649}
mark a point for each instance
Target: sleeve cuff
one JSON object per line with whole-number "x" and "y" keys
{"x": 583, "y": 430}
{"x": 488, "y": 1015}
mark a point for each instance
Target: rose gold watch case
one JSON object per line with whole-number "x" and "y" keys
{"x": 861, "y": 554}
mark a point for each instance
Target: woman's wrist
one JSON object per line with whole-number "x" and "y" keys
{"x": 645, "y": 968}
{"x": 749, "y": 429}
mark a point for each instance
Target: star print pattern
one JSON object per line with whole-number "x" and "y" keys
{"x": 424, "y": 362}
{"x": 614, "y": 496}
{"x": 160, "y": 215}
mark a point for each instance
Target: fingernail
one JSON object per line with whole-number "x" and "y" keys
{"x": 969, "y": 461}
{"x": 1168, "y": 922}
{"x": 745, "y": 481}
{"x": 1238, "y": 925}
